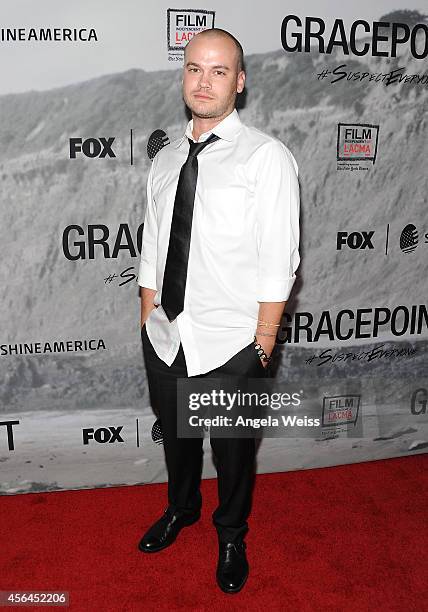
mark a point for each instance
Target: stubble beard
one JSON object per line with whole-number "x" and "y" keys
{"x": 215, "y": 111}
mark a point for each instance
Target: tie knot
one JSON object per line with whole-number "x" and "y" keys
{"x": 196, "y": 147}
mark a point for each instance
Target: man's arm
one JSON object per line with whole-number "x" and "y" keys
{"x": 271, "y": 313}
{"x": 278, "y": 204}
{"x": 147, "y": 271}
{"x": 147, "y": 296}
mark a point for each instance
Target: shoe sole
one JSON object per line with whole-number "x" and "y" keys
{"x": 153, "y": 550}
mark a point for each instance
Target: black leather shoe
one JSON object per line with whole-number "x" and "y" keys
{"x": 165, "y": 530}
{"x": 232, "y": 568}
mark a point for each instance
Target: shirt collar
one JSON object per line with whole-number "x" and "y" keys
{"x": 227, "y": 129}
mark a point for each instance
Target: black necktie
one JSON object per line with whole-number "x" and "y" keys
{"x": 174, "y": 278}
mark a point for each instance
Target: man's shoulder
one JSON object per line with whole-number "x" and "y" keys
{"x": 260, "y": 138}
{"x": 262, "y": 143}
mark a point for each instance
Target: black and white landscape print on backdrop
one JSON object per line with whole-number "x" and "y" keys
{"x": 349, "y": 102}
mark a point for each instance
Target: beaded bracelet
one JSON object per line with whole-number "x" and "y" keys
{"x": 261, "y": 351}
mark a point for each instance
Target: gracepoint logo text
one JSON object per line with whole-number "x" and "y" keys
{"x": 379, "y": 39}
{"x": 90, "y": 241}
{"x": 355, "y": 324}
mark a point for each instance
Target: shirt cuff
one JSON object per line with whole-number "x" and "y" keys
{"x": 275, "y": 289}
{"x": 147, "y": 276}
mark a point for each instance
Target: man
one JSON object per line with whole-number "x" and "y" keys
{"x": 218, "y": 261}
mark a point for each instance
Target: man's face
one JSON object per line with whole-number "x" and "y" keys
{"x": 211, "y": 79}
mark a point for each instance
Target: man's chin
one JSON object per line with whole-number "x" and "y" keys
{"x": 204, "y": 112}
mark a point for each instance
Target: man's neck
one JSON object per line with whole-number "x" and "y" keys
{"x": 202, "y": 124}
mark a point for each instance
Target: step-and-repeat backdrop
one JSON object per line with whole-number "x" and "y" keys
{"x": 89, "y": 93}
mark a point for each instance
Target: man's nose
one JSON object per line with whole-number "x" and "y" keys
{"x": 204, "y": 81}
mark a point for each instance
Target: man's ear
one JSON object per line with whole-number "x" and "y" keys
{"x": 240, "y": 82}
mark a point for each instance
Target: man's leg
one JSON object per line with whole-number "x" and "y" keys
{"x": 183, "y": 456}
{"x": 235, "y": 479}
{"x": 235, "y": 458}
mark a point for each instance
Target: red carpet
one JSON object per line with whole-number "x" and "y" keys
{"x": 343, "y": 538}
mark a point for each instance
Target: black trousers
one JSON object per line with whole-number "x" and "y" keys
{"x": 234, "y": 456}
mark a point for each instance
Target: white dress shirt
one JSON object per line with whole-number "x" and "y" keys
{"x": 244, "y": 242}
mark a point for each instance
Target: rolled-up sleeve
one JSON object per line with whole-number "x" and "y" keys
{"x": 147, "y": 271}
{"x": 277, "y": 210}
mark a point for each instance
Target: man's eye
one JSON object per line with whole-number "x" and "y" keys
{"x": 193, "y": 69}
{"x": 220, "y": 72}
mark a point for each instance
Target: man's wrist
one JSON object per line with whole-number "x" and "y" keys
{"x": 145, "y": 312}
{"x": 266, "y": 339}
{"x": 265, "y": 348}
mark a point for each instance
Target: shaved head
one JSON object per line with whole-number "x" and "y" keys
{"x": 219, "y": 33}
